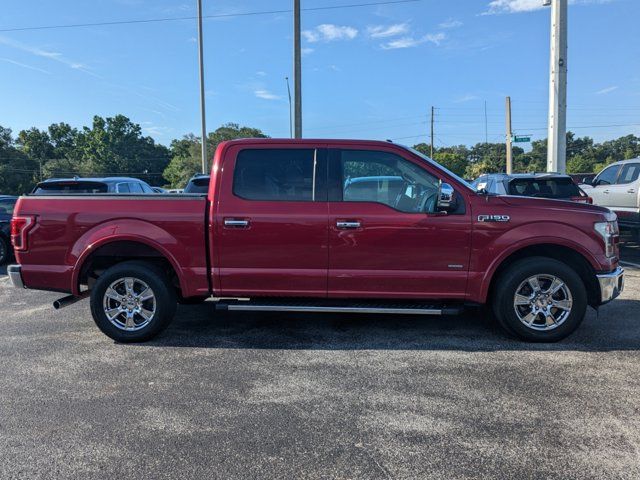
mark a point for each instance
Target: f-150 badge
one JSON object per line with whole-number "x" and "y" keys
{"x": 494, "y": 218}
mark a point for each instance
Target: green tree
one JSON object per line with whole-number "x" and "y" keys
{"x": 17, "y": 170}
{"x": 186, "y": 152}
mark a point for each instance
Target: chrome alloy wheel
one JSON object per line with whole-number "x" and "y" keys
{"x": 129, "y": 304}
{"x": 543, "y": 302}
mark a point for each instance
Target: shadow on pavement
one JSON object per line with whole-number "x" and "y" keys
{"x": 615, "y": 328}
{"x": 3, "y": 269}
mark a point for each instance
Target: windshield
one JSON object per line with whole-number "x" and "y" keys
{"x": 445, "y": 169}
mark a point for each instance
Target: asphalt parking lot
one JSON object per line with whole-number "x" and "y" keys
{"x": 317, "y": 396}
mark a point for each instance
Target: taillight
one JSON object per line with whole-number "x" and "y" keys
{"x": 20, "y": 226}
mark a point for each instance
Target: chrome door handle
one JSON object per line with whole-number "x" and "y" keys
{"x": 631, "y": 190}
{"x": 228, "y": 222}
{"x": 606, "y": 191}
{"x": 347, "y": 225}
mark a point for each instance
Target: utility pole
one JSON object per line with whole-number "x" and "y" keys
{"x": 297, "y": 70}
{"x": 509, "y": 138}
{"x": 205, "y": 160}
{"x": 557, "y": 139}
{"x": 290, "y": 112}
{"x": 432, "y": 121}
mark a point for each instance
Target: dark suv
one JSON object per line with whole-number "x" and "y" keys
{"x": 7, "y": 204}
{"x": 76, "y": 185}
{"x": 541, "y": 185}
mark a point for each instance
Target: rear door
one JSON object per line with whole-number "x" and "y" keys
{"x": 624, "y": 193}
{"x": 385, "y": 239}
{"x": 271, "y": 222}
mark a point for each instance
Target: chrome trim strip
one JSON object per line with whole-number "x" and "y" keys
{"x": 320, "y": 309}
{"x": 15, "y": 276}
{"x": 611, "y": 284}
{"x": 121, "y": 196}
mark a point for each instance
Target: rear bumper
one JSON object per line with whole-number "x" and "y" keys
{"x": 15, "y": 275}
{"x": 611, "y": 285}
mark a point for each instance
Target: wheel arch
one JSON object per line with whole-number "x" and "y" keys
{"x": 562, "y": 253}
{"x": 107, "y": 252}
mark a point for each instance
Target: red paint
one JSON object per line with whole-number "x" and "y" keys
{"x": 295, "y": 248}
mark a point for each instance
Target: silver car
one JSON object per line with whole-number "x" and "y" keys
{"x": 617, "y": 187}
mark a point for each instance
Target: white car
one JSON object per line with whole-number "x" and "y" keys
{"x": 617, "y": 187}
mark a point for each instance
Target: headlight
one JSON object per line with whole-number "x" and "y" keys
{"x": 609, "y": 232}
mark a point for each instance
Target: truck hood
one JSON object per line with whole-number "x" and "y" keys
{"x": 560, "y": 205}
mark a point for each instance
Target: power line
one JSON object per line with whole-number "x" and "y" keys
{"x": 193, "y": 17}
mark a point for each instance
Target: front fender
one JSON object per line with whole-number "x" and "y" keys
{"x": 119, "y": 230}
{"x": 490, "y": 254}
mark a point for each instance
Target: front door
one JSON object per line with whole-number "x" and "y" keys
{"x": 601, "y": 191}
{"x": 386, "y": 238}
{"x": 271, "y": 223}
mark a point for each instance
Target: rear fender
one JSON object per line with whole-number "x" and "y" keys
{"x": 126, "y": 230}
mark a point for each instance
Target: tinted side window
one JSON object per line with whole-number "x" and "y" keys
{"x": 275, "y": 175}
{"x": 123, "y": 188}
{"x": 146, "y": 188}
{"x": 7, "y": 206}
{"x": 135, "y": 187}
{"x": 608, "y": 175}
{"x": 630, "y": 173}
{"x": 381, "y": 177}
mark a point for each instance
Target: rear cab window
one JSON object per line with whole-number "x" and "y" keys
{"x": 281, "y": 175}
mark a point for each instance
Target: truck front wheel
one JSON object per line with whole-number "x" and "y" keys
{"x": 540, "y": 299}
{"x": 133, "y": 302}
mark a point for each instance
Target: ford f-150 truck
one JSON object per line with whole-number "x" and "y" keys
{"x": 321, "y": 226}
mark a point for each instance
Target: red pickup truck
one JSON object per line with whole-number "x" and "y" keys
{"x": 321, "y": 226}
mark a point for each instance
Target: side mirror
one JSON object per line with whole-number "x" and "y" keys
{"x": 446, "y": 197}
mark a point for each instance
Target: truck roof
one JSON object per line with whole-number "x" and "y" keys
{"x": 306, "y": 141}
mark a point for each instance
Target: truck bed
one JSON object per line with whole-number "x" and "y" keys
{"x": 70, "y": 228}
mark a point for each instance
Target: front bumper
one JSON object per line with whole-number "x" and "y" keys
{"x": 15, "y": 275}
{"x": 611, "y": 285}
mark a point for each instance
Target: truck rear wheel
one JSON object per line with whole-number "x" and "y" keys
{"x": 133, "y": 302}
{"x": 540, "y": 299}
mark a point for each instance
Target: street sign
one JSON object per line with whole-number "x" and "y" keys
{"x": 521, "y": 138}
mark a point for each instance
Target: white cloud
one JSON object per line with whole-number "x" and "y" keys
{"x": 328, "y": 32}
{"x": 24, "y": 65}
{"x": 518, "y": 6}
{"x": 466, "y": 98}
{"x": 306, "y": 51}
{"x": 435, "y": 38}
{"x": 385, "y": 31}
{"x": 451, "y": 24}
{"x": 261, "y": 73}
{"x": 39, "y": 52}
{"x": 604, "y": 91}
{"x": 266, "y": 94}
{"x": 408, "y": 42}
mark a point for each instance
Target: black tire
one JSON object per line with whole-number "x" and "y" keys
{"x": 165, "y": 302}
{"x": 5, "y": 251}
{"x": 503, "y": 301}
